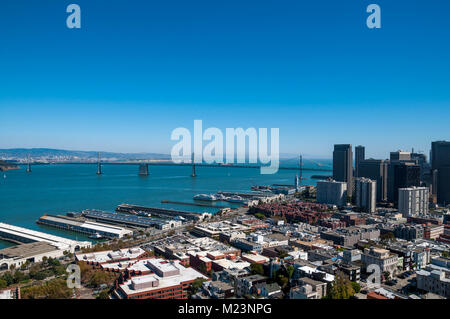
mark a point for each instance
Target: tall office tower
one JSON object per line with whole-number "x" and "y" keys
{"x": 421, "y": 160}
{"x": 331, "y": 192}
{"x": 413, "y": 201}
{"x": 400, "y": 156}
{"x": 440, "y": 161}
{"x": 360, "y": 155}
{"x": 376, "y": 170}
{"x": 343, "y": 165}
{"x": 366, "y": 194}
{"x": 434, "y": 174}
{"x": 402, "y": 175}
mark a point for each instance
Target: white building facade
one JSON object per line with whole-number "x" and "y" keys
{"x": 366, "y": 194}
{"x": 331, "y": 192}
{"x": 413, "y": 201}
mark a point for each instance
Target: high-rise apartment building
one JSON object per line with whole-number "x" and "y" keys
{"x": 366, "y": 194}
{"x": 413, "y": 201}
{"x": 331, "y": 192}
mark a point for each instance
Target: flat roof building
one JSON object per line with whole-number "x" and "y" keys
{"x": 85, "y": 227}
{"x": 170, "y": 280}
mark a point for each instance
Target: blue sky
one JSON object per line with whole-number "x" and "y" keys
{"x": 136, "y": 70}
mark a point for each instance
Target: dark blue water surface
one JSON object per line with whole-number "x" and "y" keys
{"x": 58, "y": 189}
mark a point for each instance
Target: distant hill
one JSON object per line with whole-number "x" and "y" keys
{"x": 49, "y": 153}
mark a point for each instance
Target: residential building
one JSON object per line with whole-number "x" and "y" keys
{"x": 434, "y": 281}
{"x": 386, "y": 260}
{"x": 245, "y": 284}
{"x": 408, "y": 232}
{"x": 366, "y": 194}
{"x": 431, "y": 231}
{"x": 413, "y": 201}
{"x": 331, "y": 192}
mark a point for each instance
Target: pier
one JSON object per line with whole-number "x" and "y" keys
{"x": 243, "y": 195}
{"x": 23, "y": 235}
{"x": 193, "y": 204}
{"x": 133, "y": 209}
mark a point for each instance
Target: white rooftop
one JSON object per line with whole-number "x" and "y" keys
{"x": 111, "y": 256}
{"x": 185, "y": 274}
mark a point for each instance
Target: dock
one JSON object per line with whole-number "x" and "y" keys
{"x": 193, "y": 204}
{"x": 25, "y": 236}
{"x": 133, "y": 209}
{"x": 243, "y": 195}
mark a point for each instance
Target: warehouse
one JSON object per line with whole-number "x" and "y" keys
{"x": 131, "y": 220}
{"x": 85, "y": 227}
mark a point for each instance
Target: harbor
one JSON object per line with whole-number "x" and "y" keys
{"x": 80, "y": 188}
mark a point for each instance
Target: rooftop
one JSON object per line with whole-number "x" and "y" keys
{"x": 27, "y": 250}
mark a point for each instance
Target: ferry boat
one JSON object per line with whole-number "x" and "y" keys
{"x": 237, "y": 199}
{"x": 96, "y": 236}
{"x": 205, "y": 197}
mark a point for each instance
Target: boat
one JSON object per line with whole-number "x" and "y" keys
{"x": 220, "y": 197}
{"x": 237, "y": 199}
{"x": 96, "y": 236}
{"x": 205, "y": 197}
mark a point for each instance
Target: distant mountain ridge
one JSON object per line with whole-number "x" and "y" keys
{"x": 49, "y": 152}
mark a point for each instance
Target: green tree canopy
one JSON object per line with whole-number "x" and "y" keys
{"x": 256, "y": 268}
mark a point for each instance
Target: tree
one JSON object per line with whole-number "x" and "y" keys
{"x": 3, "y": 284}
{"x": 356, "y": 287}
{"x": 18, "y": 276}
{"x": 282, "y": 280}
{"x": 257, "y": 269}
{"x": 195, "y": 286}
{"x": 8, "y": 278}
{"x": 282, "y": 254}
{"x": 103, "y": 295}
{"x": 53, "y": 289}
{"x": 290, "y": 271}
{"x": 341, "y": 288}
{"x": 260, "y": 215}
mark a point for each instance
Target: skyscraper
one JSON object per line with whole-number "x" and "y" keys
{"x": 376, "y": 170}
{"x": 400, "y": 156}
{"x": 440, "y": 162}
{"x": 343, "y": 165}
{"x": 403, "y": 175}
{"x": 360, "y": 154}
{"x": 403, "y": 171}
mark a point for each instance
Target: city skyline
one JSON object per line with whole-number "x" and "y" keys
{"x": 128, "y": 77}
